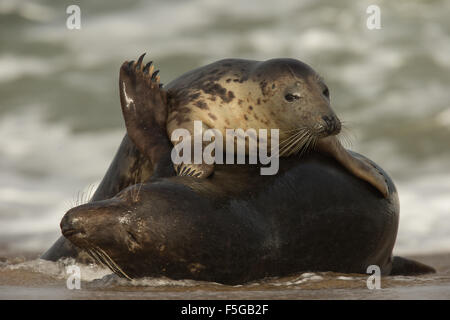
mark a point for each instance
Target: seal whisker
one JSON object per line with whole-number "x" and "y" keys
{"x": 311, "y": 145}
{"x": 133, "y": 190}
{"x": 291, "y": 148}
{"x": 301, "y": 144}
{"x": 113, "y": 263}
{"x": 83, "y": 196}
{"x": 96, "y": 257}
{"x": 346, "y": 137}
{"x": 345, "y": 140}
{"x": 136, "y": 198}
{"x": 284, "y": 150}
{"x": 285, "y": 144}
{"x": 77, "y": 201}
{"x": 301, "y": 147}
{"x": 289, "y": 140}
{"x": 89, "y": 192}
{"x": 314, "y": 144}
{"x": 103, "y": 260}
{"x": 297, "y": 143}
{"x": 307, "y": 146}
{"x": 291, "y": 136}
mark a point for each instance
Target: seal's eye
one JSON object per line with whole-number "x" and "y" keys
{"x": 291, "y": 97}
{"x": 326, "y": 92}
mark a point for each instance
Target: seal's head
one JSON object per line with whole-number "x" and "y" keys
{"x": 299, "y": 96}
{"x": 142, "y": 230}
{"x": 111, "y": 231}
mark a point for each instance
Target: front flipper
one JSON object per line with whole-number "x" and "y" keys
{"x": 144, "y": 108}
{"x": 194, "y": 170}
{"x": 359, "y": 166}
{"x": 191, "y": 168}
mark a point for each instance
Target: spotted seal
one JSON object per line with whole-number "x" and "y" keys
{"x": 283, "y": 94}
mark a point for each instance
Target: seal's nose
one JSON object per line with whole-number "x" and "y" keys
{"x": 71, "y": 224}
{"x": 332, "y": 125}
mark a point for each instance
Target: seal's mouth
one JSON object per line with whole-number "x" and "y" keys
{"x": 69, "y": 232}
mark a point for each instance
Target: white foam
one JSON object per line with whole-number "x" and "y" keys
{"x": 424, "y": 214}
{"x": 28, "y": 10}
{"x": 43, "y": 168}
{"x": 59, "y": 269}
{"x": 15, "y": 66}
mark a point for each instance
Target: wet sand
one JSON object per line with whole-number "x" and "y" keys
{"x": 25, "y": 278}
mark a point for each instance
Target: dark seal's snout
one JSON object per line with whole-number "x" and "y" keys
{"x": 332, "y": 125}
{"x": 72, "y": 223}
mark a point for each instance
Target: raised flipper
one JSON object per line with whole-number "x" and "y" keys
{"x": 144, "y": 108}
{"x": 359, "y": 166}
{"x": 405, "y": 267}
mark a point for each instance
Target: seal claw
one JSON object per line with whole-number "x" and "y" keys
{"x": 139, "y": 62}
{"x": 194, "y": 173}
{"x": 187, "y": 171}
{"x": 154, "y": 75}
{"x": 147, "y": 67}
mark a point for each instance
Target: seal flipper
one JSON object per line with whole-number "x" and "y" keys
{"x": 404, "y": 266}
{"x": 194, "y": 170}
{"x": 359, "y": 166}
{"x": 144, "y": 108}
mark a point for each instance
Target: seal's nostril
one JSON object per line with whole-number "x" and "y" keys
{"x": 67, "y": 227}
{"x": 332, "y": 124}
{"x": 328, "y": 123}
{"x": 70, "y": 225}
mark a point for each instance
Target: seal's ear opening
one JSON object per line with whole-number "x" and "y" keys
{"x": 406, "y": 267}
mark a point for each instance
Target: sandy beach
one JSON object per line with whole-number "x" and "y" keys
{"x": 20, "y": 278}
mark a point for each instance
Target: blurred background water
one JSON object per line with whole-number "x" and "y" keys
{"x": 60, "y": 118}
